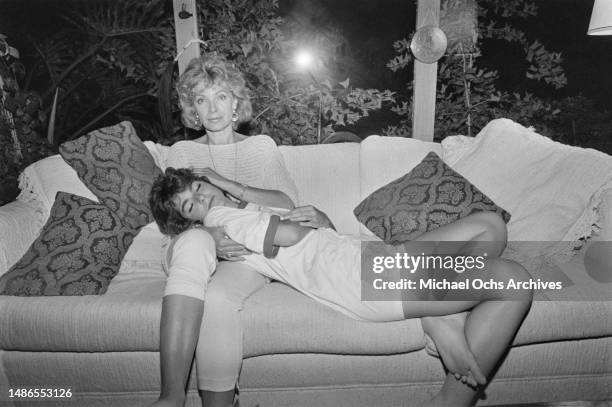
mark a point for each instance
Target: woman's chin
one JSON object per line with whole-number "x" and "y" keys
{"x": 216, "y": 126}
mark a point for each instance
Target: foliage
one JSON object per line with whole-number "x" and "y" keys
{"x": 20, "y": 118}
{"x": 106, "y": 64}
{"x": 468, "y": 94}
{"x": 582, "y": 124}
{"x": 286, "y": 103}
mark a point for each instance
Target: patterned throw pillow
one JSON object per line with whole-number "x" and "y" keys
{"x": 117, "y": 167}
{"x": 78, "y": 251}
{"x": 431, "y": 195}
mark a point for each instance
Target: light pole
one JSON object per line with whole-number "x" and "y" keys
{"x": 305, "y": 60}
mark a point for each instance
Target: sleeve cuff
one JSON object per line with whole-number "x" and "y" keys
{"x": 269, "y": 249}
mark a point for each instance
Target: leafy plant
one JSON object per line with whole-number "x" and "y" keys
{"x": 107, "y": 61}
{"x": 20, "y": 119}
{"x": 101, "y": 67}
{"x": 468, "y": 93}
{"x": 288, "y": 105}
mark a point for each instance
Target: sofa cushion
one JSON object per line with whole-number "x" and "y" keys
{"x": 427, "y": 197}
{"x": 117, "y": 167}
{"x": 14, "y": 216}
{"x": 327, "y": 176}
{"x": 78, "y": 251}
{"x": 146, "y": 251}
{"x": 276, "y": 319}
{"x": 550, "y": 189}
{"x": 383, "y": 159}
{"x": 42, "y": 180}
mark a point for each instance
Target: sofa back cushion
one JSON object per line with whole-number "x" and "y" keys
{"x": 384, "y": 159}
{"x": 327, "y": 176}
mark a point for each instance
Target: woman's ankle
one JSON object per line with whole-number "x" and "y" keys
{"x": 170, "y": 401}
{"x": 218, "y": 398}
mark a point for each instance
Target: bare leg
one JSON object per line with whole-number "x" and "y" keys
{"x": 180, "y": 327}
{"x": 479, "y": 233}
{"x": 471, "y": 345}
{"x": 192, "y": 261}
{"x": 488, "y": 331}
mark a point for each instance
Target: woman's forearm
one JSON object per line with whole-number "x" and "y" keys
{"x": 264, "y": 197}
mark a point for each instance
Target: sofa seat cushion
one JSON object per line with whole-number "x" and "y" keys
{"x": 125, "y": 318}
{"x": 277, "y": 319}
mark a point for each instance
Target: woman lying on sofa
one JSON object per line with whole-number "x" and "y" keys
{"x": 326, "y": 266}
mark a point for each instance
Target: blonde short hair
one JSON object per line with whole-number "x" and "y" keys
{"x": 208, "y": 70}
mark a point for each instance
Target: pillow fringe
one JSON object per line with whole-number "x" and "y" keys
{"x": 28, "y": 186}
{"x": 588, "y": 224}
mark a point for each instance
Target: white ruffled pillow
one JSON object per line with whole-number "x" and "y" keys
{"x": 42, "y": 180}
{"x": 551, "y": 190}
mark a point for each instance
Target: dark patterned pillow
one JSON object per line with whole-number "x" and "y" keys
{"x": 78, "y": 252}
{"x": 117, "y": 167}
{"x": 431, "y": 195}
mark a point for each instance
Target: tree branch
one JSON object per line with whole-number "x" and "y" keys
{"x": 107, "y": 111}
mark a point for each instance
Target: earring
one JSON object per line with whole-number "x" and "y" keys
{"x": 196, "y": 119}
{"x": 234, "y": 116}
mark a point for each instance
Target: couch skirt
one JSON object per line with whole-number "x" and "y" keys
{"x": 555, "y": 371}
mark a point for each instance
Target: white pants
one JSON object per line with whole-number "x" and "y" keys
{"x": 191, "y": 262}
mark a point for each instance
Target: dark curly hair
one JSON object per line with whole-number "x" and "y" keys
{"x": 165, "y": 187}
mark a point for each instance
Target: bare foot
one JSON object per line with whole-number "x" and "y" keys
{"x": 447, "y": 333}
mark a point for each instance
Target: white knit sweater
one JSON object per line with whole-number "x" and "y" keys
{"x": 255, "y": 161}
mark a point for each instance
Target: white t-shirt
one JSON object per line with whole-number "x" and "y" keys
{"x": 324, "y": 265}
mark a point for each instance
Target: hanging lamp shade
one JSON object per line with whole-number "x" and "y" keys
{"x": 601, "y": 18}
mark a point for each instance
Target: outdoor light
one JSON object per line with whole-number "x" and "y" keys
{"x": 601, "y": 18}
{"x": 304, "y": 59}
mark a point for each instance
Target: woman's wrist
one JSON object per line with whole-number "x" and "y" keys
{"x": 239, "y": 190}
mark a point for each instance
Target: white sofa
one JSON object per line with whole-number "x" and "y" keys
{"x": 298, "y": 352}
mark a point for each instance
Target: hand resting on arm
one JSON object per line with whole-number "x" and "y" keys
{"x": 264, "y": 197}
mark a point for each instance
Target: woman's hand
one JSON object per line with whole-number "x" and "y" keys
{"x": 213, "y": 176}
{"x": 227, "y": 249}
{"x": 309, "y": 216}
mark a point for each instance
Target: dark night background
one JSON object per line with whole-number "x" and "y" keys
{"x": 370, "y": 27}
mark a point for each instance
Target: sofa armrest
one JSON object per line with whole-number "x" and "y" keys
{"x": 19, "y": 226}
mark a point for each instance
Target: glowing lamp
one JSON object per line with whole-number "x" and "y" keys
{"x": 304, "y": 59}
